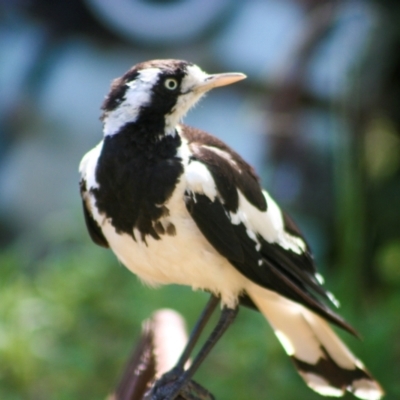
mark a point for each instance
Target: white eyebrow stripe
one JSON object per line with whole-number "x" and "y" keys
{"x": 136, "y": 96}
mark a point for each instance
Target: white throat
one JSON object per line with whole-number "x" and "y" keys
{"x": 187, "y": 99}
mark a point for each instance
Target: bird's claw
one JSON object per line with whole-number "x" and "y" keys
{"x": 172, "y": 385}
{"x": 166, "y": 386}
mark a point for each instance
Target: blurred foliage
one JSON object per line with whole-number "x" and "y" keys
{"x": 69, "y": 319}
{"x": 382, "y": 149}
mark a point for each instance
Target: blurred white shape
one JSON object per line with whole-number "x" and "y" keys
{"x": 170, "y": 338}
{"x": 160, "y": 22}
{"x": 261, "y": 37}
{"x": 20, "y": 45}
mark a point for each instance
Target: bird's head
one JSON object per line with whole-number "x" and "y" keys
{"x": 158, "y": 94}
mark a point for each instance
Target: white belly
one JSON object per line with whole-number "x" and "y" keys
{"x": 186, "y": 258}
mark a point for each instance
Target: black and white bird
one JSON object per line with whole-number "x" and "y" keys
{"x": 177, "y": 205}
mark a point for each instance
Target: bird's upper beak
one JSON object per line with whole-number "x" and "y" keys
{"x": 211, "y": 81}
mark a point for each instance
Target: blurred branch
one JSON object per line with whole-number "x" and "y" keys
{"x": 290, "y": 90}
{"x": 139, "y": 371}
{"x": 162, "y": 341}
{"x": 288, "y": 98}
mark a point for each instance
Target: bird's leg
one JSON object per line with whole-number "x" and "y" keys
{"x": 197, "y": 330}
{"x": 178, "y": 369}
{"x": 164, "y": 391}
{"x": 227, "y": 317}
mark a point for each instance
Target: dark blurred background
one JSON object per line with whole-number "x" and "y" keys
{"x": 318, "y": 117}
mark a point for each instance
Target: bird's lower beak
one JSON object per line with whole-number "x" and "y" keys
{"x": 216, "y": 80}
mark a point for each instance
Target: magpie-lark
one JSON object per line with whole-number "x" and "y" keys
{"x": 177, "y": 205}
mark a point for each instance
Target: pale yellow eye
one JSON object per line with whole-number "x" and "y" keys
{"x": 171, "y": 83}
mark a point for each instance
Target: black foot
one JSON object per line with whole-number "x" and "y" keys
{"x": 177, "y": 383}
{"x": 173, "y": 386}
{"x": 168, "y": 385}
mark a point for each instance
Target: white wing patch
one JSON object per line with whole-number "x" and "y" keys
{"x": 269, "y": 224}
{"x": 222, "y": 154}
{"x": 198, "y": 177}
{"x": 200, "y": 180}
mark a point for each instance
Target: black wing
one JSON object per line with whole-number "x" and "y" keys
{"x": 267, "y": 263}
{"x": 272, "y": 267}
